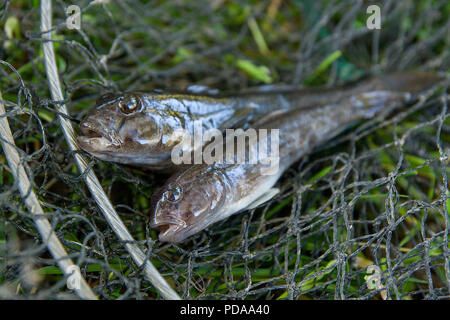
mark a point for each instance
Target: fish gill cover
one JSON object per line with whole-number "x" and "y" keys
{"x": 365, "y": 216}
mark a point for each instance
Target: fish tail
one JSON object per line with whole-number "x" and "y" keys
{"x": 393, "y": 90}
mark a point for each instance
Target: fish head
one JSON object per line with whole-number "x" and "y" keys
{"x": 128, "y": 128}
{"x": 188, "y": 203}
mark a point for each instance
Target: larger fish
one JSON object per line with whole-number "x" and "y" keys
{"x": 194, "y": 198}
{"x": 138, "y": 128}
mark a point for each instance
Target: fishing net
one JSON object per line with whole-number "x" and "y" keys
{"x": 365, "y": 216}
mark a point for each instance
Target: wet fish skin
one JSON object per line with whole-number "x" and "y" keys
{"x": 196, "y": 197}
{"x": 137, "y": 128}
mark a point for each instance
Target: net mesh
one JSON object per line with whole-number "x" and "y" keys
{"x": 365, "y": 216}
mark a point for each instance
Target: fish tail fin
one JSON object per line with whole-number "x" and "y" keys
{"x": 393, "y": 90}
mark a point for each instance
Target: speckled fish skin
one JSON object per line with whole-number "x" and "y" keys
{"x": 196, "y": 197}
{"x": 137, "y": 128}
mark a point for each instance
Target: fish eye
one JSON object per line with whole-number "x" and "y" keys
{"x": 129, "y": 105}
{"x": 174, "y": 193}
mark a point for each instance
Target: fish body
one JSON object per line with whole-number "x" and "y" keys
{"x": 196, "y": 197}
{"x": 138, "y": 128}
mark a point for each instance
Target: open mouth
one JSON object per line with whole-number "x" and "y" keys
{"x": 168, "y": 228}
{"x": 169, "y": 232}
{"x": 90, "y": 133}
{"x": 164, "y": 225}
{"x": 93, "y": 140}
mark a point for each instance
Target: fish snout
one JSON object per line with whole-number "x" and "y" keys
{"x": 91, "y": 128}
{"x": 96, "y": 138}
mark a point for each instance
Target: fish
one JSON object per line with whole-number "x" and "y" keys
{"x": 200, "y": 195}
{"x": 138, "y": 129}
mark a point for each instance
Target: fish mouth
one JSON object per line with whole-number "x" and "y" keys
{"x": 93, "y": 140}
{"x": 167, "y": 233}
{"x": 168, "y": 228}
{"x": 109, "y": 146}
